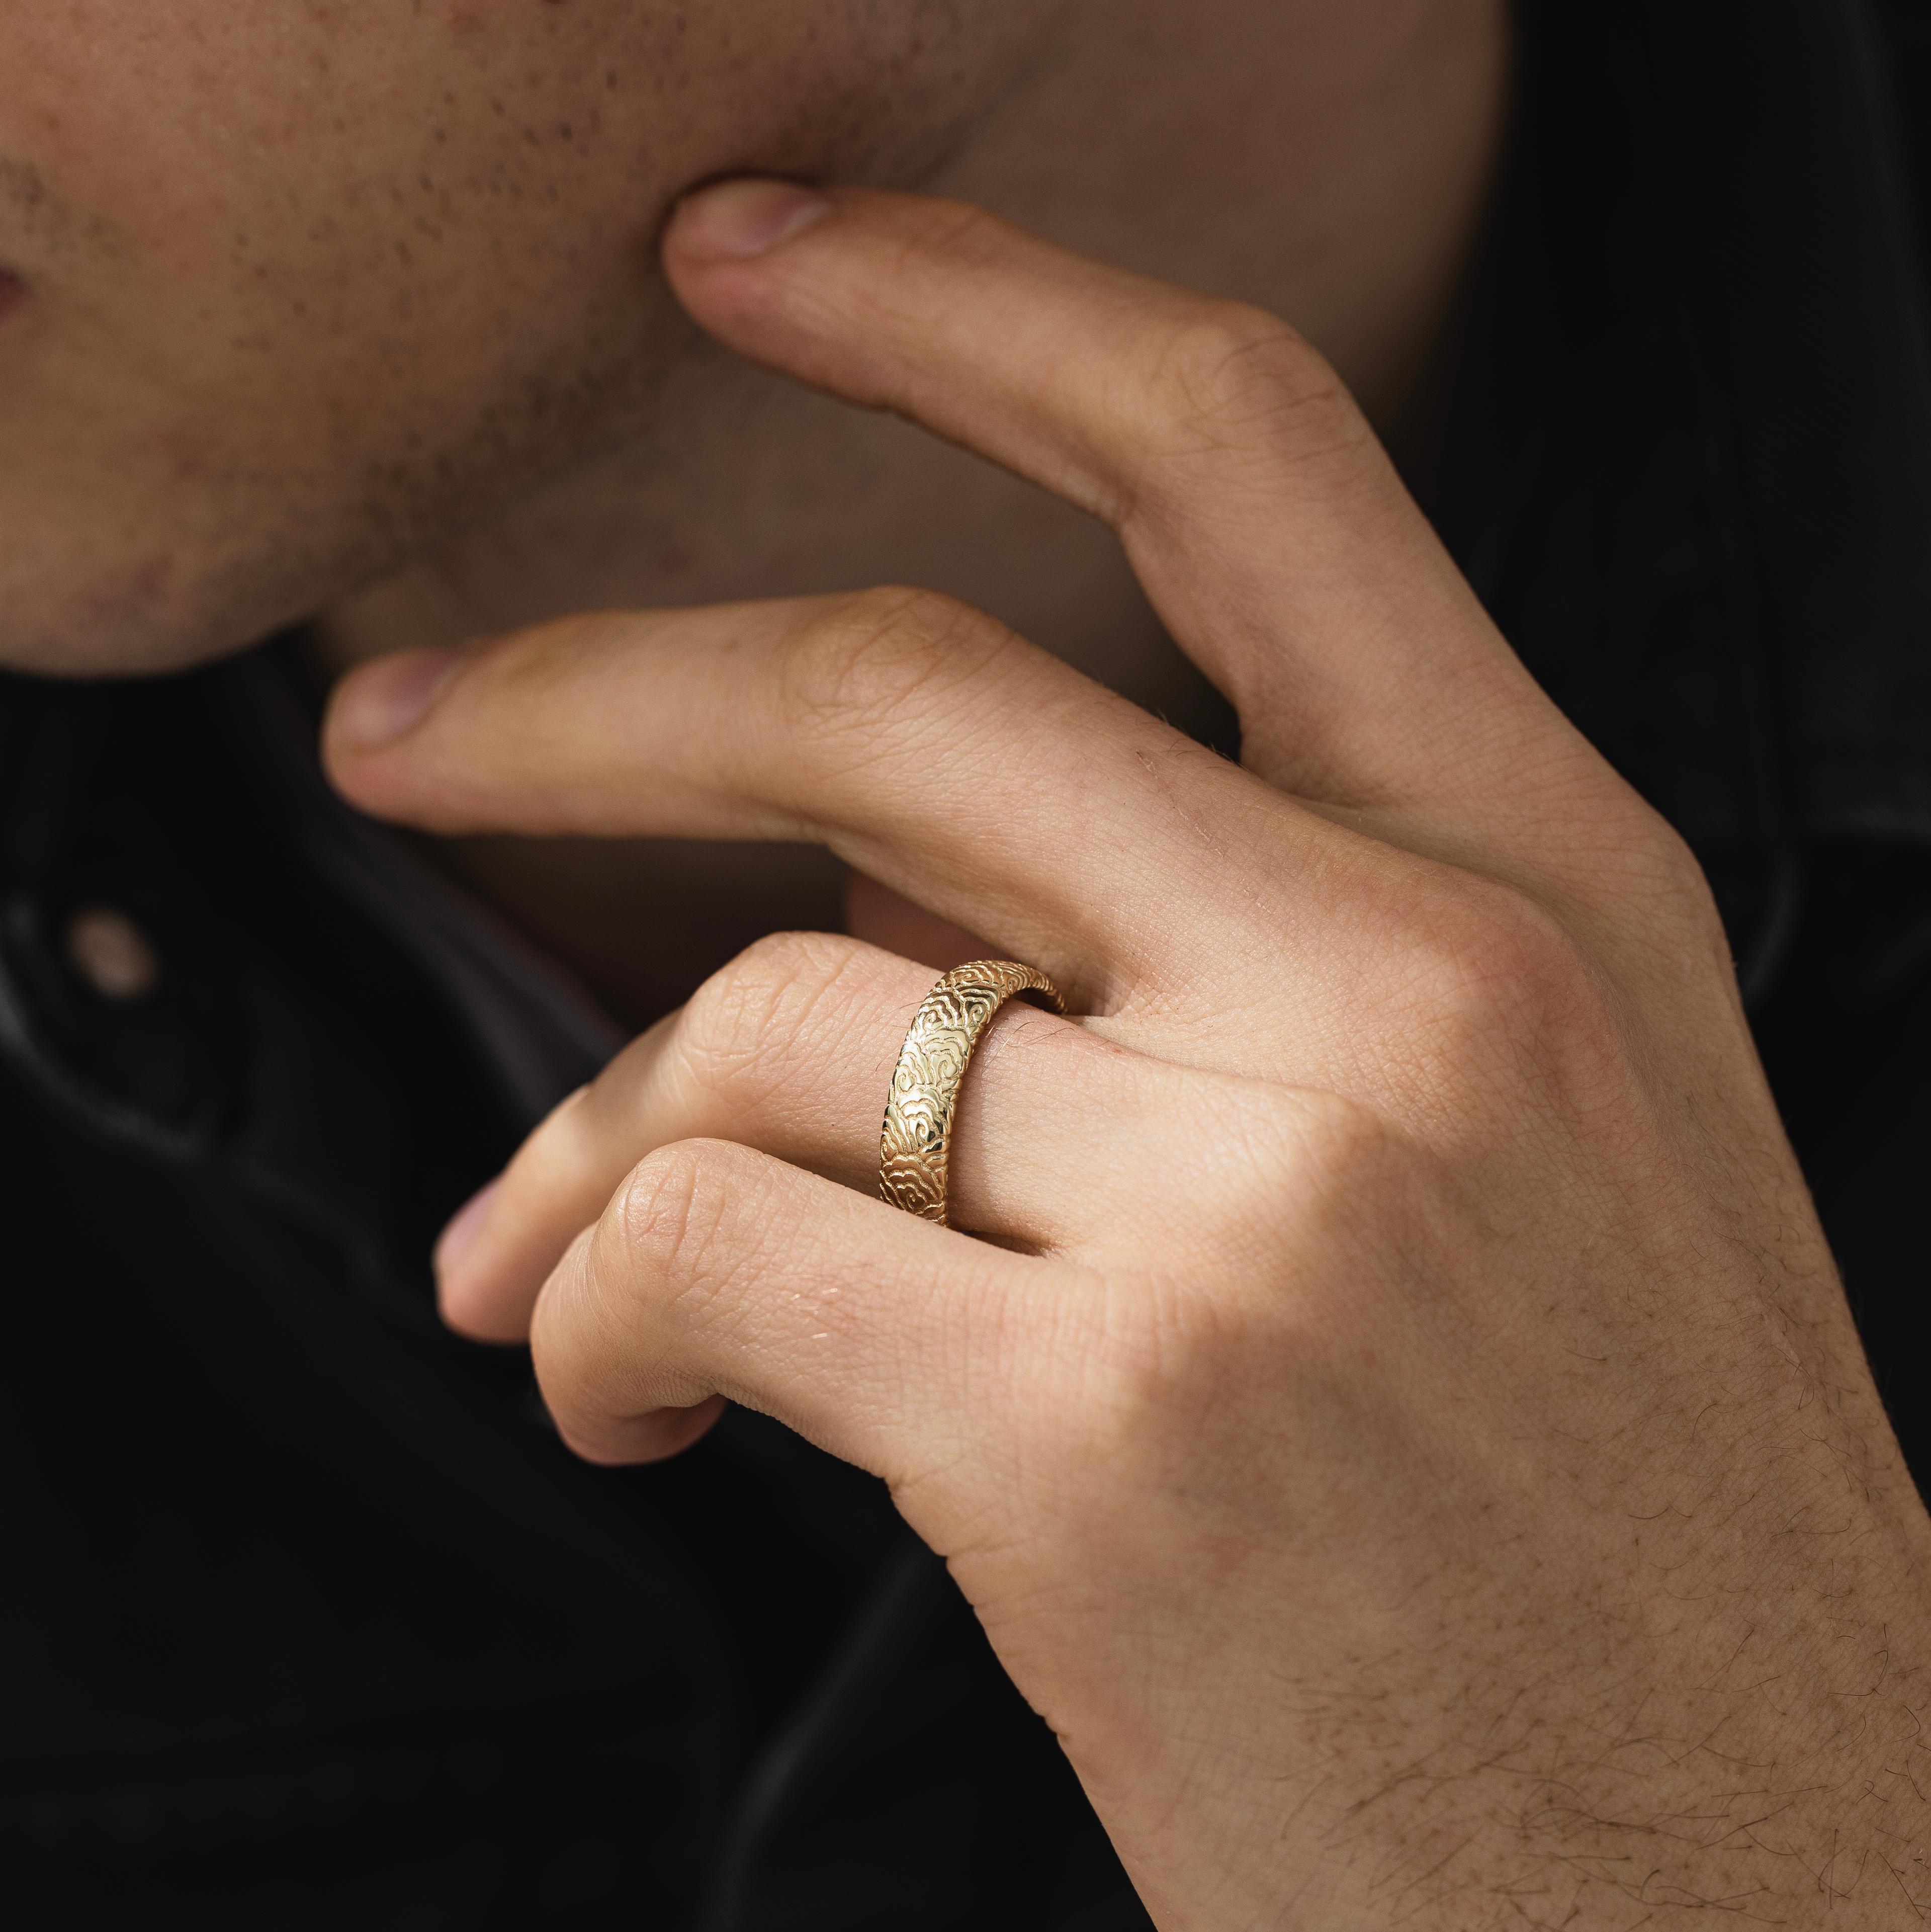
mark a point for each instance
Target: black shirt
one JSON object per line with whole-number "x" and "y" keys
{"x": 308, "y": 1618}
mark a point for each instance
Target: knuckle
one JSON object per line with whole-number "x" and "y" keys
{"x": 686, "y": 1232}
{"x": 1660, "y": 875}
{"x": 666, "y": 1222}
{"x": 869, "y": 659}
{"x": 1505, "y": 985}
{"x": 1229, "y": 378}
{"x": 644, "y": 1277}
{"x": 745, "y": 1026}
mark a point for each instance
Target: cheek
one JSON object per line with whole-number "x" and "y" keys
{"x": 290, "y": 293}
{"x": 310, "y": 184}
{"x": 306, "y": 285}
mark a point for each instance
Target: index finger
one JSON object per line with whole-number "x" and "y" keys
{"x": 1269, "y": 526}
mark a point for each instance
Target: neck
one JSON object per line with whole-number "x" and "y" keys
{"x": 1327, "y": 160}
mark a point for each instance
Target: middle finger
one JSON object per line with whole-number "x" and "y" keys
{"x": 921, "y": 741}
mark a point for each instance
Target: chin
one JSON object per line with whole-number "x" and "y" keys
{"x": 145, "y": 615}
{"x": 158, "y": 581}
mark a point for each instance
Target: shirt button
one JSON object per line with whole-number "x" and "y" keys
{"x": 113, "y": 955}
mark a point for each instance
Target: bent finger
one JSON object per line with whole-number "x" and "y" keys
{"x": 790, "y": 1049}
{"x": 1266, "y": 521}
{"x": 920, "y": 740}
{"x": 716, "y": 1271}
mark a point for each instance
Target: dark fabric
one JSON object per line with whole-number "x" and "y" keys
{"x": 308, "y": 1617}
{"x": 1724, "y": 573}
{"x": 308, "y": 1620}
{"x": 1724, "y": 577}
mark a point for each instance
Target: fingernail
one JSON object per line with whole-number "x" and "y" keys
{"x": 737, "y": 219}
{"x": 460, "y": 1237}
{"x": 383, "y": 700}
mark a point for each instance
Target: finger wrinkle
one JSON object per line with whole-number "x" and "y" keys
{"x": 788, "y": 1002}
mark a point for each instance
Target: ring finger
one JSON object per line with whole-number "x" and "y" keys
{"x": 790, "y": 1050}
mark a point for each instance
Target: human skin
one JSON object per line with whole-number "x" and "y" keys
{"x": 309, "y": 287}
{"x": 1425, "y": 1468}
{"x": 318, "y": 295}
{"x": 1329, "y": 159}
{"x": 1405, "y": 1432}
{"x": 311, "y": 330}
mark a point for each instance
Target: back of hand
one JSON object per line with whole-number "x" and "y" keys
{"x": 1404, "y": 1430}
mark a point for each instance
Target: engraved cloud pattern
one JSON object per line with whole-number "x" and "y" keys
{"x": 917, "y": 1136}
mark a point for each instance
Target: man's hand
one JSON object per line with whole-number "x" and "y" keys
{"x": 1404, "y": 1433}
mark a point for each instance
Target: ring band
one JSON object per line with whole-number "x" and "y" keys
{"x": 917, "y": 1139}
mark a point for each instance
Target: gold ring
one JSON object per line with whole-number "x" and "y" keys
{"x": 917, "y": 1139}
